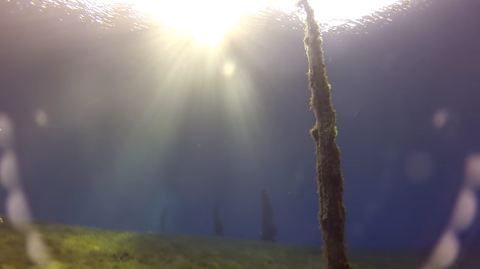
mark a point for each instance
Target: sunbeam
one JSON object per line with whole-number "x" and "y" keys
{"x": 208, "y": 21}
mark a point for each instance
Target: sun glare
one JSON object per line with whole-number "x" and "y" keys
{"x": 339, "y": 11}
{"x": 208, "y": 20}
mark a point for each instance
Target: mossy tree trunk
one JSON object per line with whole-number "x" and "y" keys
{"x": 329, "y": 173}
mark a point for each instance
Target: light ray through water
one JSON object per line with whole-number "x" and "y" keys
{"x": 99, "y": 11}
{"x": 208, "y": 21}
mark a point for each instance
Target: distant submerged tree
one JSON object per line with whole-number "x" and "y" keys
{"x": 269, "y": 230}
{"x": 163, "y": 222}
{"x": 217, "y": 222}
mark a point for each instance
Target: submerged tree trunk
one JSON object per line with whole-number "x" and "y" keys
{"x": 329, "y": 173}
{"x": 269, "y": 230}
{"x": 217, "y": 221}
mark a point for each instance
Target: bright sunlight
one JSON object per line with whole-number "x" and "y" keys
{"x": 206, "y": 20}
{"x": 209, "y": 20}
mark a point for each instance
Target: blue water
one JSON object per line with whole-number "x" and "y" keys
{"x": 114, "y": 127}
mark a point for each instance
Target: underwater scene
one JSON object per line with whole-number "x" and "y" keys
{"x": 230, "y": 134}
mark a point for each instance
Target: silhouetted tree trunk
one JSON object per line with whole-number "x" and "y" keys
{"x": 217, "y": 222}
{"x": 269, "y": 231}
{"x": 163, "y": 220}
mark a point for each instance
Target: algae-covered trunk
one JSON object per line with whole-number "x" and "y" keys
{"x": 329, "y": 173}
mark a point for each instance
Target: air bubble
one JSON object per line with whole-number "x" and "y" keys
{"x": 16, "y": 203}
{"x": 36, "y": 249}
{"x": 464, "y": 211}
{"x": 18, "y": 211}
{"x": 8, "y": 170}
{"x": 445, "y": 252}
{"x": 6, "y": 135}
{"x": 448, "y": 247}
{"x": 41, "y": 118}
{"x": 473, "y": 170}
{"x": 440, "y": 118}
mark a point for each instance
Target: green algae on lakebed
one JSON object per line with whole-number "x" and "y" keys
{"x": 82, "y": 247}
